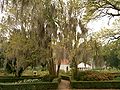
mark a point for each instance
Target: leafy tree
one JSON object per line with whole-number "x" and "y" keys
{"x": 35, "y": 28}
{"x": 110, "y": 45}
{"x": 30, "y": 26}
{"x": 111, "y": 54}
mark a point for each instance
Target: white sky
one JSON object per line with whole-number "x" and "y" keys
{"x": 97, "y": 25}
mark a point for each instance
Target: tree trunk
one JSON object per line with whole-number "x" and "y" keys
{"x": 51, "y": 68}
{"x": 20, "y": 68}
{"x": 75, "y": 70}
{"x": 58, "y": 69}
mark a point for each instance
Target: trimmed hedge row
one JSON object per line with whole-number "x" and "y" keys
{"x": 95, "y": 84}
{"x": 46, "y": 78}
{"x": 29, "y": 86}
{"x": 4, "y": 79}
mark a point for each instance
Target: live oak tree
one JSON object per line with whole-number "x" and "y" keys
{"x": 30, "y": 27}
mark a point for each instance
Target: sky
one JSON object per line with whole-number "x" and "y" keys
{"x": 97, "y": 25}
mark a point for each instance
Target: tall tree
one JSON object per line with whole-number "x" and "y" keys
{"x": 30, "y": 27}
{"x": 34, "y": 27}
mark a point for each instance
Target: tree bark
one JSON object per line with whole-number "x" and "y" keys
{"x": 58, "y": 69}
{"x": 51, "y": 68}
{"x": 75, "y": 70}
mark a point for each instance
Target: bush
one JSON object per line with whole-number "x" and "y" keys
{"x": 47, "y": 78}
{"x": 95, "y": 84}
{"x": 117, "y": 78}
{"x": 57, "y": 80}
{"x": 29, "y": 86}
{"x": 28, "y": 83}
{"x": 93, "y": 76}
{"x": 65, "y": 77}
{"x": 4, "y": 79}
{"x": 62, "y": 72}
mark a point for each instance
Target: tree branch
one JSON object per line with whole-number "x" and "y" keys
{"x": 113, "y": 6}
{"x": 110, "y": 5}
{"x": 112, "y": 14}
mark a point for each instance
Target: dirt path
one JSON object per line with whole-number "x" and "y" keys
{"x": 64, "y": 85}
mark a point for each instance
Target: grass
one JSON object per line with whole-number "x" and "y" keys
{"x": 39, "y": 73}
{"x": 27, "y": 72}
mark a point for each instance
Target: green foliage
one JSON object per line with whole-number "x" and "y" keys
{"x": 95, "y": 84}
{"x": 47, "y": 78}
{"x": 117, "y": 78}
{"x": 65, "y": 77}
{"x": 27, "y": 79}
{"x": 68, "y": 73}
{"x": 111, "y": 54}
{"x": 30, "y": 86}
{"x": 12, "y": 79}
{"x": 39, "y": 73}
{"x": 94, "y": 76}
{"x": 35, "y": 28}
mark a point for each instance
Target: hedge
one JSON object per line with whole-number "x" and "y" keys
{"x": 65, "y": 77}
{"x": 4, "y": 79}
{"x": 29, "y": 86}
{"x": 95, "y": 84}
{"x": 94, "y": 76}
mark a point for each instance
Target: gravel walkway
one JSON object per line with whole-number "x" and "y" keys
{"x": 64, "y": 85}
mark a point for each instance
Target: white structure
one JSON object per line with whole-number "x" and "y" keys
{"x": 83, "y": 66}
{"x": 65, "y": 67}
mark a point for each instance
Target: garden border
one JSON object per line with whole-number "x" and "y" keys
{"x": 95, "y": 84}
{"x": 29, "y": 86}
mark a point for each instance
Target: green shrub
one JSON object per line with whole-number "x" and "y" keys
{"x": 47, "y": 78}
{"x": 4, "y": 79}
{"x": 29, "y": 86}
{"x": 65, "y": 77}
{"x": 95, "y": 84}
{"x": 57, "y": 80}
{"x": 93, "y": 76}
{"x": 62, "y": 72}
{"x": 117, "y": 78}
